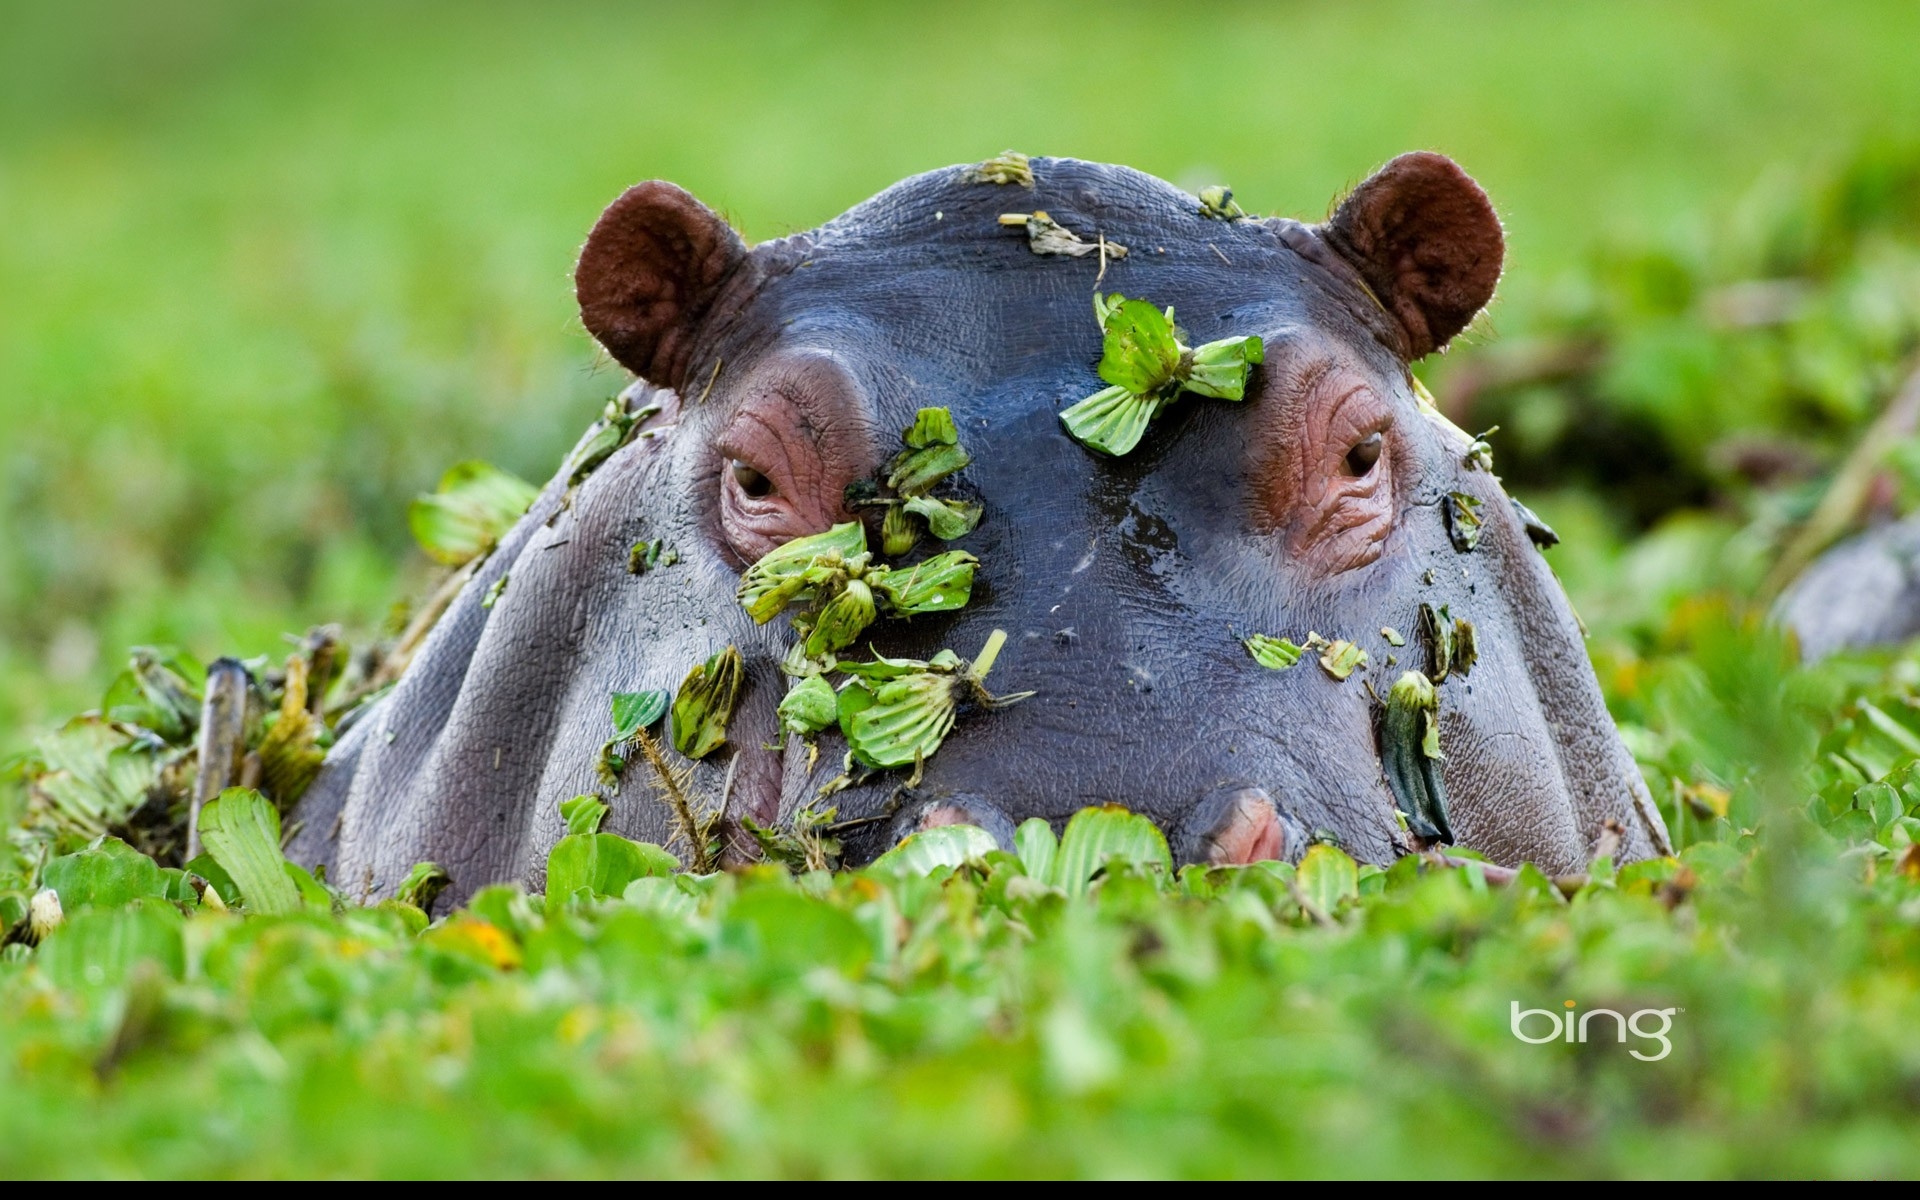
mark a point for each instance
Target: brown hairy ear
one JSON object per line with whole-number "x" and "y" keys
{"x": 1425, "y": 238}
{"x": 648, "y": 275}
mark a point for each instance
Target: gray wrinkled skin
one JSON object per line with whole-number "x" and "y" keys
{"x": 1125, "y": 585}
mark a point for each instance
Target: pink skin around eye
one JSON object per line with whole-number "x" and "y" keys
{"x": 805, "y": 480}
{"x": 1333, "y": 516}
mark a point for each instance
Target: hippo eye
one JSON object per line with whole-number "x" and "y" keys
{"x": 1364, "y": 454}
{"x": 751, "y": 481}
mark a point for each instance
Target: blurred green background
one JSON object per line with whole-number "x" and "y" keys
{"x": 265, "y": 271}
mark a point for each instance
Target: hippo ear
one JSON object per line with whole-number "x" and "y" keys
{"x": 649, "y": 274}
{"x": 1425, "y": 238}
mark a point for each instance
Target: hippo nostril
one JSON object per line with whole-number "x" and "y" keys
{"x": 1234, "y": 825}
{"x": 750, "y": 479}
{"x": 1364, "y": 454}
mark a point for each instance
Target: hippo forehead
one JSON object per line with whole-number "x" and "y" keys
{"x": 926, "y": 298}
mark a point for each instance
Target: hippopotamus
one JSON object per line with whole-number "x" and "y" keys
{"x": 773, "y": 384}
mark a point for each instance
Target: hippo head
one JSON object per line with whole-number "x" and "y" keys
{"x": 775, "y": 384}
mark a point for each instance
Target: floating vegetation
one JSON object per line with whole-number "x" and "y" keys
{"x": 1007, "y": 167}
{"x": 1410, "y": 752}
{"x": 845, "y": 590}
{"x": 1147, "y": 367}
{"x": 1341, "y": 658}
{"x": 1275, "y": 652}
{"x": 932, "y": 454}
{"x": 606, "y": 435}
{"x": 1451, "y": 645}
{"x": 648, "y": 556}
{"x": 703, "y": 706}
{"x": 1047, "y": 236}
{"x": 633, "y": 713}
{"x": 897, "y": 711}
{"x": 1463, "y": 521}
{"x": 474, "y": 507}
{"x": 495, "y": 590}
{"x": 1217, "y": 204}
{"x": 1393, "y": 636}
{"x": 1479, "y": 455}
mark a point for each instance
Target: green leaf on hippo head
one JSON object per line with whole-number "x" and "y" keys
{"x": 107, "y": 874}
{"x": 930, "y": 849}
{"x": 634, "y": 711}
{"x": 1112, "y": 420}
{"x": 704, "y": 705}
{"x": 899, "y": 531}
{"x": 603, "y": 864}
{"x": 809, "y": 707}
{"x": 1342, "y": 659}
{"x": 314, "y": 895}
{"x": 582, "y": 814}
{"x": 904, "y": 721}
{"x": 946, "y": 519}
{"x": 474, "y": 507}
{"x": 241, "y": 830}
{"x": 1463, "y": 520}
{"x": 1220, "y": 369}
{"x": 1139, "y": 351}
{"x": 941, "y": 583}
{"x": 1217, "y": 203}
{"x": 1096, "y": 836}
{"x": 1007, "y": 167}
{"x": 915, "y": 472}
{"x": 1274, "y": 652}
{"x": 1326, "y": 877}
{"x": 844, "y": 618}
{"x": 931, "y": 427}
{"x": 787, "y": 573}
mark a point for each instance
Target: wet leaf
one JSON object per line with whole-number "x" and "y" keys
{"x": 913, "y": 472}
{"x": 1140, "y": 352}
{"x": 583, "y": 814}
{"x": 634, "y": 711}
{"x": 1274, "y": 652}
{"x": 1436, "y": 634}
{"x": 1342, "y": 658}
{"x": 843, "y": 619}
{"x": 241, "y": 831}
{"x": 1466, "y": 650}
{"x": 474, "y": 507}
{"x": 787, "y": 573}
{"x": 704, "y": 705}
{"x": 1216, "y": 203}
{"x": 1463, "y": 521}
{"x": 1220, "y": 369}
{"x": 901, "y": 720}
{"x": 1112, "y": 420}
{"x": 809, "y": 707}
{"x": 1007, "y": 167}
{"x": 1048, "y": 237}
{"x": 941, "y": 583}
{"x": 1392, "y": 635}
{"x": 1479, "y": 455}
{"x": 648, "y": 556}
{"x": 931, "y": 849}
{"x": 946, "y": 519}
{"x": 1096, "y": 837}
{"x": 899, "y": 532}
{"x": 931, "y": 427}
{"x": 495, "y": 590}
{"x": 1410, "y": 754}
